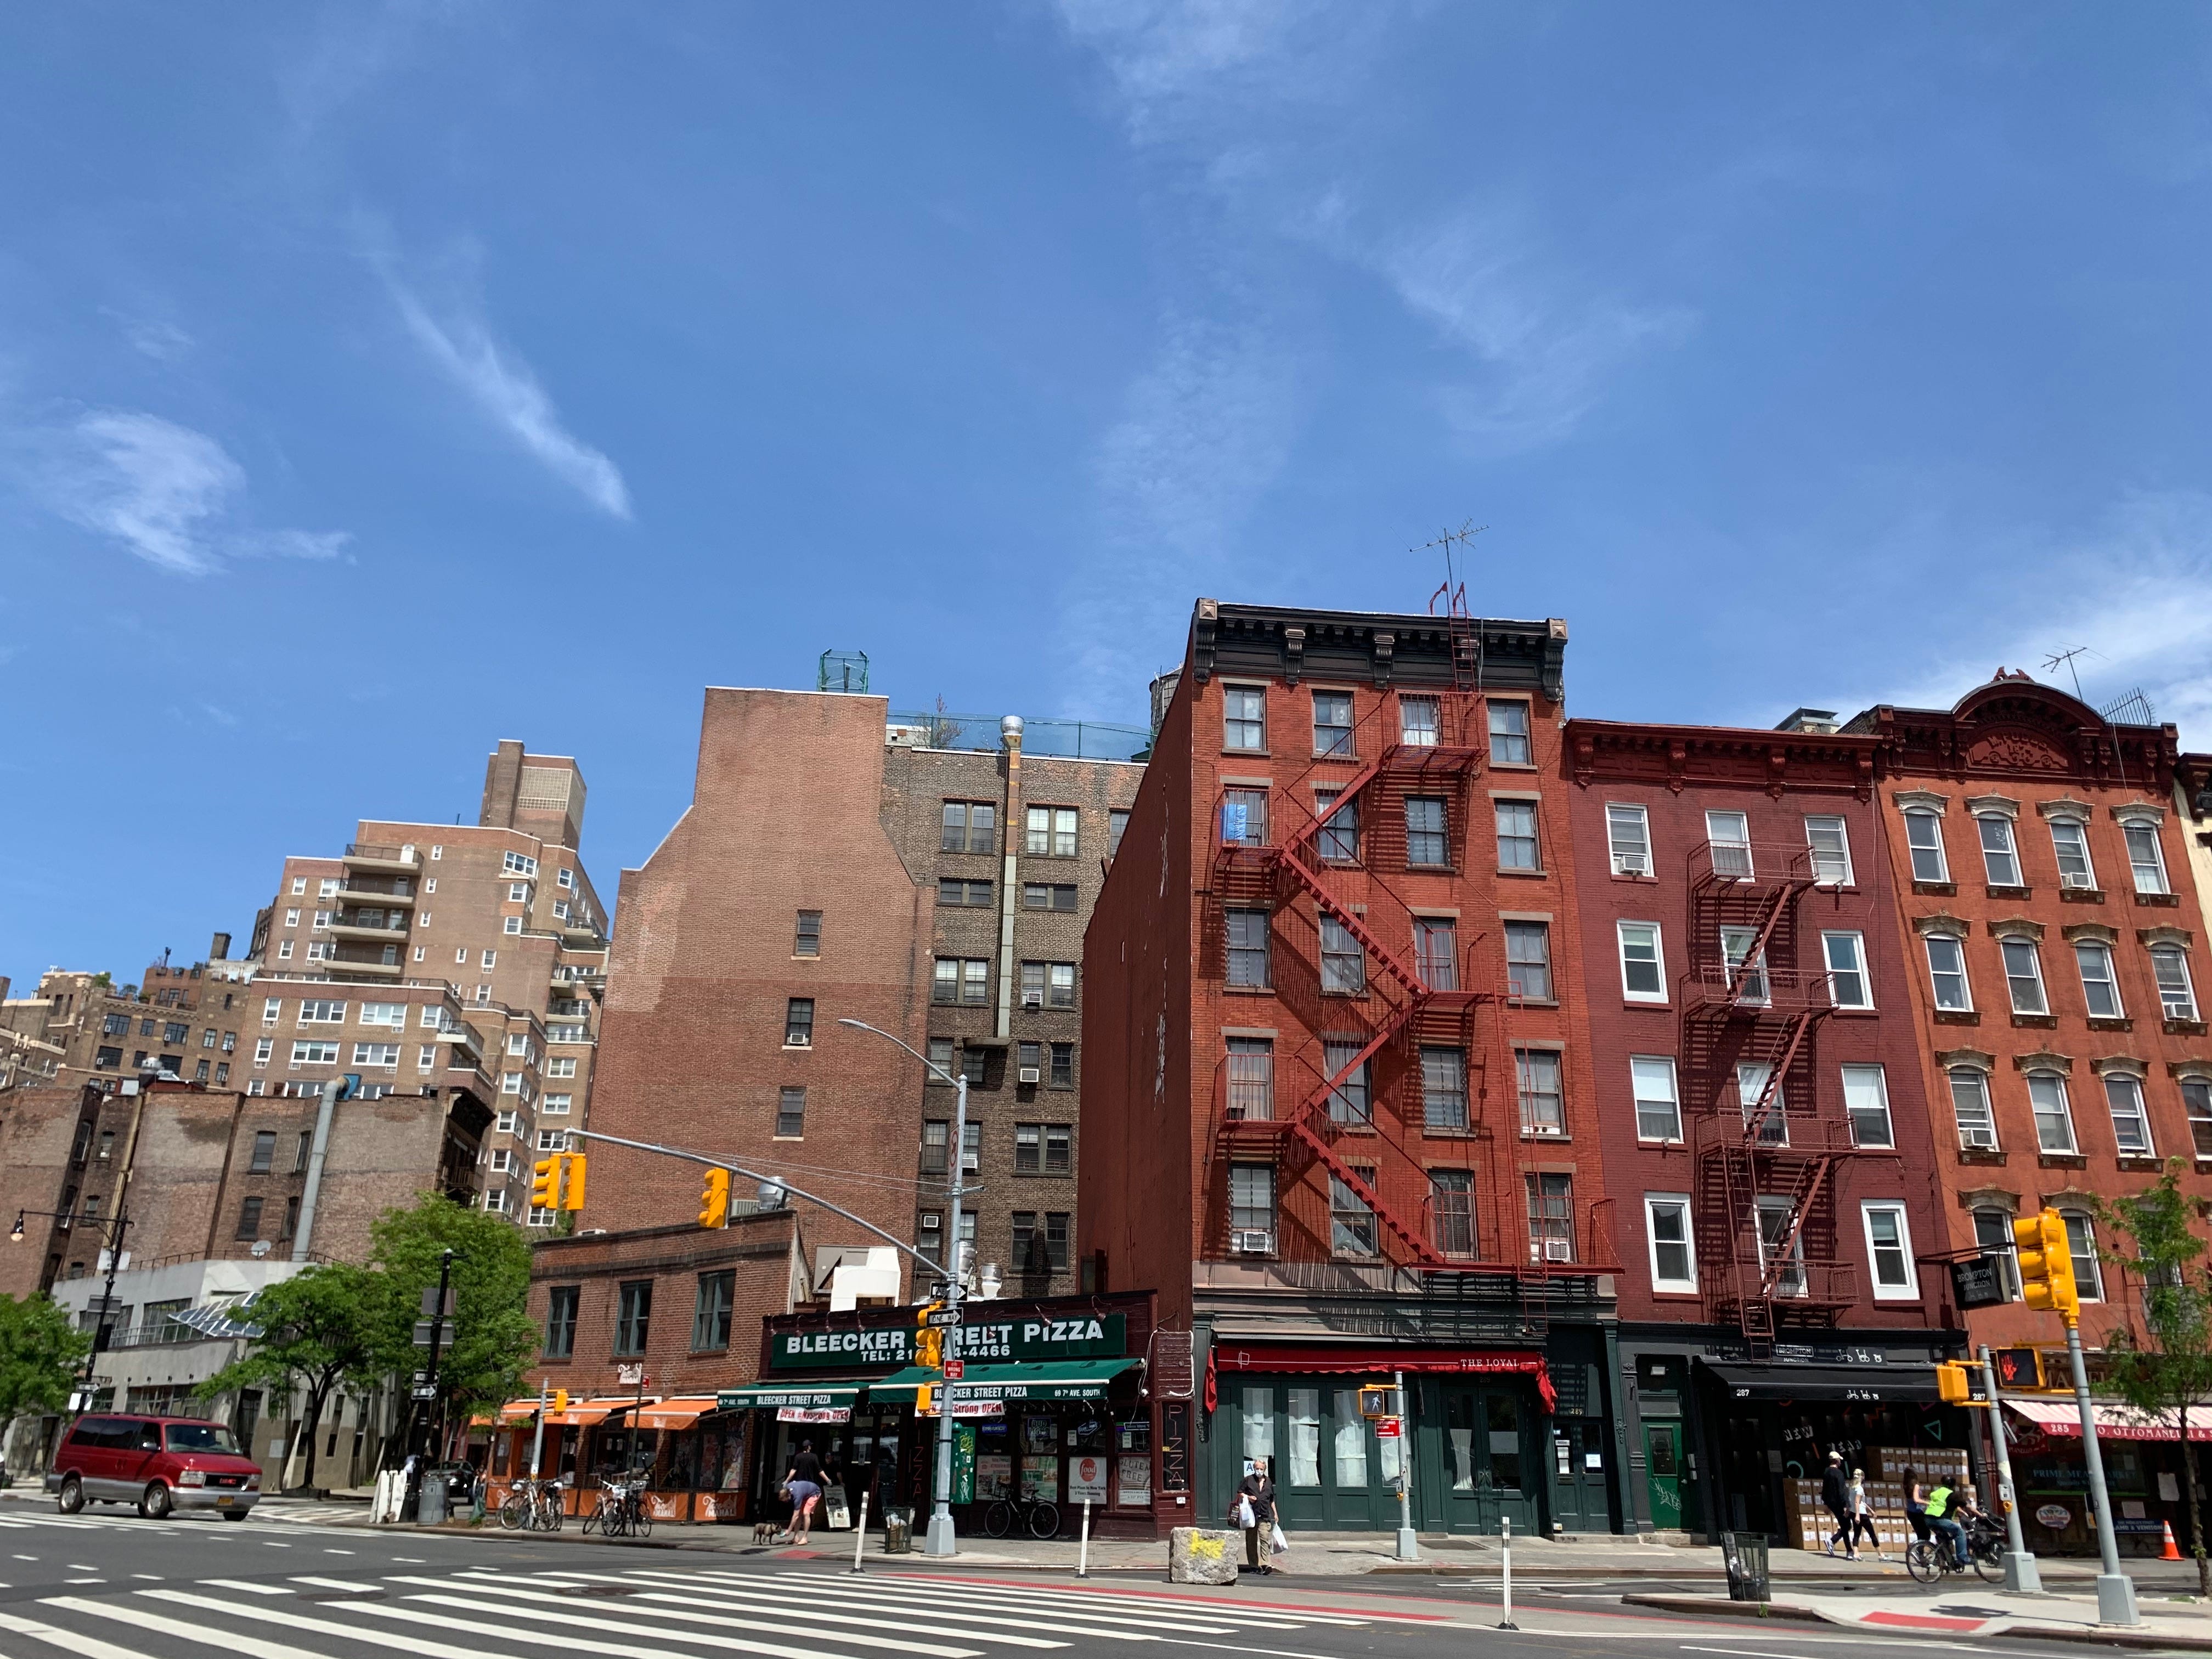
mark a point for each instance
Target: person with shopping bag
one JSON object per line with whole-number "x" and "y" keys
{"x": 1255, "y": 1511}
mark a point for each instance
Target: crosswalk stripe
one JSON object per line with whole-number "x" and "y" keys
{"x": 242, "y": 1585}
{"x": 1025, "y": 1595}
{"x": 812, "y": 1613}
{"x": 775, "y": 1649}
{"x": 1123, "y": 1622}
{"x": 238, "y": 1641}
{"x": 351, "y": 1586}
{"x": 845, "y": 1597}
{"x": 91, "y": 1647}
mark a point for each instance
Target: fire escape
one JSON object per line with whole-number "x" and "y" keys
{"x": 1766, "y": 1245}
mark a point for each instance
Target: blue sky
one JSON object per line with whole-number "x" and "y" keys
{"x": 379, "y": 382}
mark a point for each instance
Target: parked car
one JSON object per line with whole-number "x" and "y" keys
{"x": 158, "y": 1463}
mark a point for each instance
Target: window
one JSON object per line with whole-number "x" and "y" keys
{"x": 314, "y": 1054}
{"x": 1244, "y": 719}
{"x": 799, "y": 1023}
{"x": 1339, "y": 840}
{"x": 249, "y": 1219}
{"x": 790, "y": 1112}
{"x": 221, "y": 1072}
{"x": 394, "y": 1014}
{"x": 561, "y": 1067}
{"x": 1776, "y": 1220}
{"x": 1343, "y": 963}
{"x": 1667, "y": 1229}
{"x": 963, "y": 979}
{"x": 1051, "y": 832}
{"x": 710, "y": 1312}
{"x": 561, "y": 1320}
{"x": 510, "y": 1082}
{"x": 1350, "y": 1218}
{"x": 518, "y": 892}
{"x": 490, "y": 958}
{"x": 940, "y": 1055}
{"x": 2069, "y": 840}
{"x": 1443, "y": 1088}
{"x": 2054, "y": 1119}
{"x": 1252, "y": 1200}
{"x": 1251, "y": 1078}
{"x": 1062, "y": 1074}
{"x": 974, "y": 1063}
{"x": 1436, "y": 953}
{"x": 284, "y": 951}
{"x": 1747, "y": 976}
{"x": 1551, "y": 1218}
{"x": 1349, "y": 1101}
{"x": 1543, "y": 1109}
{"x": 1061, "y": 994}
{"x": 107, "y": 1060}
{"x": 1332, "y": 712}
{"x": 1628, "y": 834}
{"x": 2081, "y": 1245}
{"x": 1427, "y": 844}
{"x": 1830, "y": 847}
{"x": 1999, "y": 855}
{"x": 1417, "y": 721}
{"x": 322, "y": 920}
{"x": 1056, "y": 1240}
{"x": 1889, "y": 1251}
{"x": 1509, "y": 734}
{"x": 936, "y": 1137}
{"x": 2130, "y": 1123}
{"x": 2024, "y": 975}
{"x": 1866, "y": 1103}
{"x": 2099, "y": 987}
{"x": 970, "y": 827}
{"x": 1117, "y": 825}
{"x": 929, "y": 1235}
{"x": 1048, "y": 895}
{"x": 2146, "y": 860}
{"x": 376, "y": 1054}
{"x": 807, "y": 941}
{"x": 1969, "y": 1105}
{"x": 2169, "y": 965}
{"x": 265, "y": 1153}
{"x": 1946, "y": 973}
{"x": 1658, "y": 1109}
{"x": 1727, "y": 843}
{"x": 116, "y": 1025}
{"x": 322, "y": 1013}
{"x": 1848, "y": 985}
{"x": 298, "y": 886}
{"x": 633, "y": 1316}
{"x": 555, "y": 1105}
{"x": 1993, "y": 1233}
{"x": 514, "y": 864}
{"x": 1516, "y": 834}
{"x": 1924, "y": 839}
{"x": 1642, "y": 970}
{"x": 1529, "y": 960}
{"x": 1248, "y": 948}
{"x": 1028, "y": 1252}
{"x": 1029, "y": 1149}
{"x": 263, "y": 1049}
{"x": 2197, "y": 1100}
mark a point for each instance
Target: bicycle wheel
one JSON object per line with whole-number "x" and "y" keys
{"x": 556, "y": 1515}
{"x": 514, "y": 1513}
{"x": 1988, "y": 1554}
{"x": 1923, "y": 1563}
{"x": 596, "y": 1521}
{"x": 641, "y": 1525}
{"x": 998, "y": 1519}
{"x": 1044, "y": 1521}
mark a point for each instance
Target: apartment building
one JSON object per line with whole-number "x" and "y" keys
{"x": 1340, "y": 1115}
{"x": 500, "y": 916}
{"x": 83, "y": 1028}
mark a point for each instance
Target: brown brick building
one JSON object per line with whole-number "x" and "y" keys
{"x": 83, "y": 1028}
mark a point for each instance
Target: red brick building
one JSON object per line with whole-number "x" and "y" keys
{"x": 1339, "y": 1115}
{"x": 1761, "y": 1100}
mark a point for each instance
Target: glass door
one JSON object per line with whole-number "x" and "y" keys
{"x": 1662, "y": 1472}
{"x": 1489, "y": 1470}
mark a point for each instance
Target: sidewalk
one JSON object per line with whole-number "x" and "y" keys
{"x": 2171, "y": 1619}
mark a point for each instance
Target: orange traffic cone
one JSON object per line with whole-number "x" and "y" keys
{"x": 2170, "y": 1552}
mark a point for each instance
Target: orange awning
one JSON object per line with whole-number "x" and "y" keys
{"x": 513, "y": 1410}
{"x": 582, "y": 1413}
{"x": 678, "y": 1414}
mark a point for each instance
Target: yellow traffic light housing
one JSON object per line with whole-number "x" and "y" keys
{"x": 922, "y": 1398}
{"x": 2046, "y": 1264}
{"x": 560, "y": 1400}
{"x": 715, "y": 1202}
{"x": 1952, "y": 1386}
{"x": 545, "y": 1183}
{"x": 929, "y": 1349}
{"x": 1379, "y": 1400}
{"x": 573, "y": 1198}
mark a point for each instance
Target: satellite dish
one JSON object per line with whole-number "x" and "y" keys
{"x": 260, "y": 1248}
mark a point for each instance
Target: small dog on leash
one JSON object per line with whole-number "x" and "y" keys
{"x": 764, "y": 1532}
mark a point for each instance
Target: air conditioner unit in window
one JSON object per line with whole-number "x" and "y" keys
{"x": 2077, "y": 878}
{"x": 1252, "y": 1241}
{"x": 1635, "y": 864}
{"x": 1032, "y": 999}
{"x": 1558, "y": 1249}
{"x": 1032, "y": 1074}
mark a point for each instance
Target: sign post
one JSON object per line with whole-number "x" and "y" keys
{"x": 2021, "y": 1575}
{"x": 1409, "y": 1548}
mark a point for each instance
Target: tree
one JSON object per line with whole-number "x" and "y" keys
{"x": 326, "y": 1325}
{"x": 39, "y": 1352}
{"x": 490, "y": 1339}
{"x": 2169, "y": 1371}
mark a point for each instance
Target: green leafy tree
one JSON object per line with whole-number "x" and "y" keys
{"x": 327, "y": 1325}
{"x": 40, "y": 1354}
{"x": 2167, "y": 1372}
{"x": 490, "y": 1339}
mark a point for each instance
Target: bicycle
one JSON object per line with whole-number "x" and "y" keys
{"x": 621, "y": 1513}
{"x": 532, "y": 1506}
{"x": 1929, "y": 1559}
{"x": 1043, "y": 1518}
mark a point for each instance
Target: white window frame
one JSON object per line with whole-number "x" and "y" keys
{"x": 1936, "y": 976}
{"x": 2057, "y": 1080}
{"x": 1916, "y": 819}
{"x": 2089, "y": 1286}
{"x": 1881, "y": 1080}
{"x": 1910, "y": 1290}
{"x": 1753, "y": 990}
{"x": 2147, "y": 827}
{"x": 1756, "y": 1073}
{"x": 1228, "y": 719}
{"x": 329, "y": 888}
{"x": 1842, "y": 849}
{"x": 1679, "y": 1203}
{"x": 2001, "y": 823}
{"x": 299, "y": 887}
{"x": 1857, "y": 945}
{"x": 2084, "y": 949}
{"x": 1658, "y": 957}
{"x": 1629, "y": 863}
{"x": 1738, "y": 863}
{"x": 1418, "y": 736}
{"x": 2179, "y": 956}
{"x": 514, "y": 924}
{"x": 284, "y": 951}
{"x": 1989, "y": 1142}
{"x": 1526, "y": 736}
{"x": 1642, "y": 1066}
{"x": 2130, "y": 1085}
{"x": 2005, "y": 943}
{"x": 291, "y": 918}
{"x": 2080, "y": 847}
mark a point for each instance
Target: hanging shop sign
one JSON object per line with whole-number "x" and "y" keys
{"x": 888, "y": 1347}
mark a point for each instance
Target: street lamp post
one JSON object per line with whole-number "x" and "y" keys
{"x": 939, "y": 1540}
{"x": 119, "y": 1227}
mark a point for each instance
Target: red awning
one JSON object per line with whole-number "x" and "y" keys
{"x": 1231, "y": 1356}
{"x": 2063, "y": 1417}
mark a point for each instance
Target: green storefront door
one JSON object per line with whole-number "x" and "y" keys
{"x": 1331, "y": 1473}
{"x": 1662, "y": 1469}
{"x": 1580, "y": 1449}
{"x": 1491, "y": 1470}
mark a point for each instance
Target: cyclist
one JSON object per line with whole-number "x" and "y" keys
{"x": 805, "y": 1484}
{"x": 1941, "y": 1500}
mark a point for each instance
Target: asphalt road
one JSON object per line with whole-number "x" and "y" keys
{"x": 107, "y": 1584}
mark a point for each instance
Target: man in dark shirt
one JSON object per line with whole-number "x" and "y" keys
{"x": 803, "y": 1482}
{"x": 1836, "y": 1493}
{"x": 1258, "y": 1489}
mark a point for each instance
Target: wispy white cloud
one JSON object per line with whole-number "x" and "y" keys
{"x": 167, "y": 493}
{"x": 1176, "y": 60}
{"x": 505, "y": 388}
{"x": 153, "y": 336}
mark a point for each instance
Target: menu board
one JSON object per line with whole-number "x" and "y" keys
{"x": 1087, "y": 1477}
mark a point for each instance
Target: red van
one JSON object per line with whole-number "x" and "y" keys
{"x": 158, "y": 1463}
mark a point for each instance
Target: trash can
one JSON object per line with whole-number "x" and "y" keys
{"x": 1746, "y": 1555}
{"x": 898, "y": 1529}
{"x": 431, "y": 1506}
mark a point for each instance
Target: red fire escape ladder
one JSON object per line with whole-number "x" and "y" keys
{"x": 1423, "y": 1253}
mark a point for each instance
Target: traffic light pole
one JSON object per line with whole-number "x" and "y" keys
{"x": 2116, "y": 1591}
{"x": 939, "y": 1540}
{"x": 2021, "y": 1575}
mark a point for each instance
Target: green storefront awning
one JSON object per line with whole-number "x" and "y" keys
{"x": 1044, "y": 1379}
{"x": 773, "y": 1395}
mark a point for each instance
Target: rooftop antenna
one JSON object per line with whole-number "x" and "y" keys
{"x": 1466, "y": 636}
{"x": 2065, "y": 659}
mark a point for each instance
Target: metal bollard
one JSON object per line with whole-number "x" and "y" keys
{"x": 860, "y": 1534}
{"x": 1505, "y": 1545}
{"x": 1082, "y": 1557}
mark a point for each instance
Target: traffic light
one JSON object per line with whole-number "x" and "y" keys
{"x": 560, "y": 1400}
{"x": 2046, "y": 1264}
{"x": 545, "y": 1183}
{"x": 923, "y": 1397}
{"x": 1952, "y": 1386}
{"x": 574, "y": 1198}
{"x": 928, "y": 1339}
{"x": 715, "y": 1202}
{"x": 2019, "y": 1368}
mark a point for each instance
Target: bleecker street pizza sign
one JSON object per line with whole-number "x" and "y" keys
{"x": 887, "y": 1348}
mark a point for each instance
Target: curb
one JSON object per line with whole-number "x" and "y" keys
{"x": 1705, "y": 1604}
{"x": 2113, "y": 1639}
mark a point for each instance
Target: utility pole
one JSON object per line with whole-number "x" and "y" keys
{"x": 437, "y": 1330}
{"x": 2022, "y": 1575}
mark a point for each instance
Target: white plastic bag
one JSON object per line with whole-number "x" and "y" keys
{"x": 1282, "y": 1545}
{"x": 1245, "y": 1515}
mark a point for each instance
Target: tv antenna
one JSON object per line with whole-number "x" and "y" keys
{"x": 1454, "y": 592}
{"x": 2065, "y": 659}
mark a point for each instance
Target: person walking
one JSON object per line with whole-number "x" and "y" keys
{"x": 1255, "y": 1513}
{"x": 803, "y": 1483}
{"x": 1836, "y": 1493}
{"x": 1863, "y": 1515}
